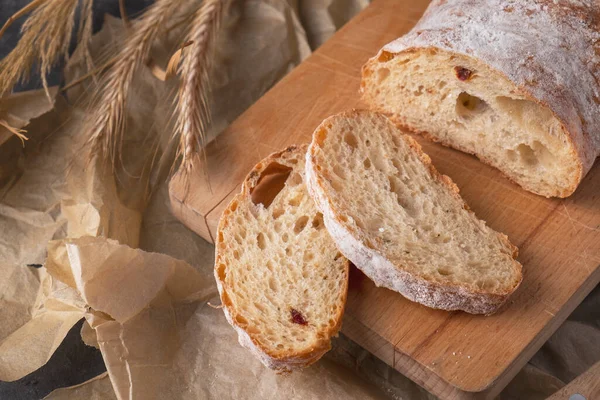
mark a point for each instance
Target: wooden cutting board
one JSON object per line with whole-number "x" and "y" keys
{"x": 451, "y": 354}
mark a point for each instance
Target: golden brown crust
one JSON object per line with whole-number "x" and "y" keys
{"x": 280, "y": 361}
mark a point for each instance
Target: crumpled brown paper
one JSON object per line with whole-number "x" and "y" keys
{"x": 135, "y": 302}
{"x": 158, "y": 336}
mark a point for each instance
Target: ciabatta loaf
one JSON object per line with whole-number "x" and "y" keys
{"x": 401, "y": 222}
{"x": 515, "y": 82}
{"x": 282, "y": 281}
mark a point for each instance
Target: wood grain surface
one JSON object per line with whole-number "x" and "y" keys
{"x": 451, "y": 354}
{"x": 586, "y": 385}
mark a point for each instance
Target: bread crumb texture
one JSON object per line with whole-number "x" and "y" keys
{"x": 400, "y": 221}
{"x": 282, "y": 281}
{"x": 513, "y": 82}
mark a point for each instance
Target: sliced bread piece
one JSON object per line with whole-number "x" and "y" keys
{"x": 403, "y": 223}
{"x": 282, "y": 281}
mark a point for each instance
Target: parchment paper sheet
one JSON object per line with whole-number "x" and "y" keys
{"x": 147, "y": 309}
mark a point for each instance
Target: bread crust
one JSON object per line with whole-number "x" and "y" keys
{"x": 381, "y": 270}
{"x": 281, "y": 361}
{"x": 547, "y": 49}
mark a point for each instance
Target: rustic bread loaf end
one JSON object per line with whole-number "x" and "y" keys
{"x": 516, "y": 83}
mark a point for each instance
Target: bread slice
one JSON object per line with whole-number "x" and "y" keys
{"x": 514, "y": 84}
{"x": 282, "y": 281}
{"x": 403, "y": 223}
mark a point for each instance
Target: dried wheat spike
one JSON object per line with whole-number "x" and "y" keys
{"x": 106, "y": 123}
{"x": 193, "y": 108}
{"x": 45, "y": 38}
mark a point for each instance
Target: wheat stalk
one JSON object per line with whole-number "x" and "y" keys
{"x": 84, "y": 36}
{"x": 123, "y": 12}
{"x": 193, "y": 108}
{"x": 20, "y": 133}
{"x": 19, "y": 14}
{"x": 107, "y": 122}
{"x": 45, "y": 38}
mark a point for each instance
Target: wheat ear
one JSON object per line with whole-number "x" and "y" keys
{"x": 193, "y": 108}
{"x": 45, "y": 38}
{"x": 106, "y": 124}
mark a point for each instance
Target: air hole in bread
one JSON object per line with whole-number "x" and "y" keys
{"x": 419, "y": 91}
{"x": 295, "y": 179}
{"x": 317, "y": 222}
{"x": 543, "y": 154}
{"x": 308, "y": 256}
{"x": 382, "y": 74}
{"x": 251, "y": 329}
{"x": 260, "y": 241}
{"x": 337, "y": 169}
{"x": 319, "y": 136}
{"x": 397, "y": 165}
{"x": 295, "y": 201}
{"x": 270, "y": 183}
{"x": 468, "y": 106}
{"x": 350, "y": 140}
{"x": 259, "y": 307}
{"x": 300, "y": 224}
{"x": 392, "y": 183}
{"x": 278, "y": 212}
{"x": 285, "y": 237}
{"x": 273, "y": 285}
{"x": 385, "y": 56}
{"x": 444, "y": 272}
{"x": 527, "y": 154}
{"x": 367, "y": 163}
{"x": 221, "y": 272}
{"x": 241, "y": 320}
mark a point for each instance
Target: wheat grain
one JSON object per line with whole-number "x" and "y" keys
{"x": 45, "y": 38}
{"x": 107, "y": 122}
{"x": 193, "y": 108}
